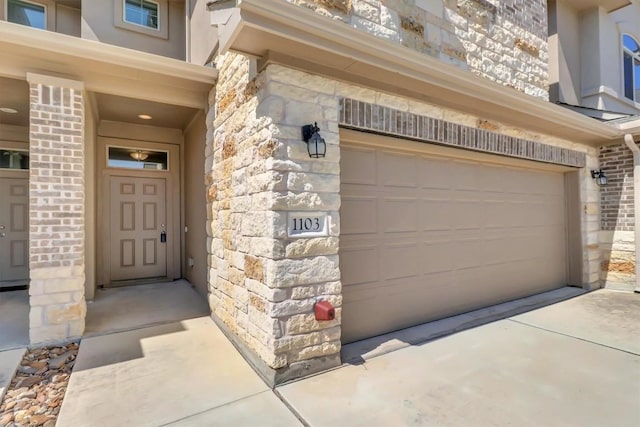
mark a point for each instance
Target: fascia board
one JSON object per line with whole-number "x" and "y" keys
{"x": 69, "y": 46}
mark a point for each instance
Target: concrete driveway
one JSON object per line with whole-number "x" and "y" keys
{"x": 574, "y": 363}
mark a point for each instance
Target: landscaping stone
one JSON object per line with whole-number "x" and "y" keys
{"x": 35, "y": 394}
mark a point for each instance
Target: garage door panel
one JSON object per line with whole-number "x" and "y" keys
{"x": 400, "y": 261}
{"x": 435, "y": 237}
{"x": 436, "y": 256}
{"x": 398, "y": 170}
{"x": 359, "y": 166}
{"x": 399, "y": 215}
{"x": 466, "y": 177}
{"x": 359, "y": 265}
{"x": 468, "y": 253}
{"x": 435, "y": 214}
{"x": 359, "y": 215}
{"x": 492, "y": 181}
{"x": 381, "y": 313}
{"x": 433, "y": 174}
{"x": 467, "y": 214}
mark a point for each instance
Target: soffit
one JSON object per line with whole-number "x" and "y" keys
{"x": 608, "y": 5}
{"x": 14, "y": 94}
{"x": 126, "y": 110}
{"x": 299, "y": 38}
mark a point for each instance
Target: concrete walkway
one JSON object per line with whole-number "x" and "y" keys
{"x": 14, "y": 319}
{"x": 182, "y": 374}
{"x": 572, "y": 363}
{"x": 9, "y": 362}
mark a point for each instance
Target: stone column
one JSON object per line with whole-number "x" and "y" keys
{"x": 56, "y": 209}
{"x": 263, "y": 284}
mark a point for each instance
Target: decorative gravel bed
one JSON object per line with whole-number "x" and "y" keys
{"x": 35, "y": 394}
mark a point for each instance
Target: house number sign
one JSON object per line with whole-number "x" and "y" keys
{"x": 307, "y": 224}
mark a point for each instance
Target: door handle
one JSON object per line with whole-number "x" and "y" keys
{"x": 163, "y": 237}
{"x": 3, "y": 234}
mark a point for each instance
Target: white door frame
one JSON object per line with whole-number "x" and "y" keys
{"x": 172, "y": 176}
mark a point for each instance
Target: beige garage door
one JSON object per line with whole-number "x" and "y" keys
{"x": 425, "y": 237}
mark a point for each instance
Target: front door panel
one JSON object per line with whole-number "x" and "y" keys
{"x": 14, "y": 230}
{"x": 138, "y": 219}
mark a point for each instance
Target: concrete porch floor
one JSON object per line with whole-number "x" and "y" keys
{"x": 126, "y": 308}
{"x": 116, "y": 309}
{"x": 14, "y": 319}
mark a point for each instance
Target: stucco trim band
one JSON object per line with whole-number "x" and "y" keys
{"x": 368, "y": 117}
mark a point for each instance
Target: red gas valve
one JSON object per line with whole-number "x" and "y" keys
{"x": 324, "y": 310}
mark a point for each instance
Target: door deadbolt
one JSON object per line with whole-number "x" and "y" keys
{"x": 163, "y": 237}
{"x": 1, "y": 227}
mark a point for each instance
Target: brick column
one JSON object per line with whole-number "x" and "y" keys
{"x": 56, "y": 209}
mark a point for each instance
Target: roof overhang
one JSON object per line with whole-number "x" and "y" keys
{"x": 608, "y": 5}
{"x": 278, "y": 32}
{"x": 102, "y": 67}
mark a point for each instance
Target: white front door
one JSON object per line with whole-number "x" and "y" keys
{"x": 14, "y": 231}
{"x": 138, "y": 228}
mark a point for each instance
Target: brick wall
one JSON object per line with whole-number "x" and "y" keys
{"x": 616, "y": 198}
{"x": 503, "y": 41}
{"x": 617, "y": 237}
{"x": 56, "y": 209}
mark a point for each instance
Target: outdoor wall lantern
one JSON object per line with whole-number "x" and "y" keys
{"x": 599, "y": 176}
{"x": 316, "y": 146}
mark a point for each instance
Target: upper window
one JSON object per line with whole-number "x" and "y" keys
{"x": 141, "y": 12}
{"x": 631, "y": 65}
{"x": 25, "y": 13}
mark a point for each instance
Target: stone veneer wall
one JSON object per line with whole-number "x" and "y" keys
{"x": 617, "y": 220}
{"x": 56, "y": 209}
{"x": 501, "y": 40}
{"x": 263, "y": 285}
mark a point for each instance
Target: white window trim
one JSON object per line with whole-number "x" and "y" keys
{"x": 124, "y": 15}
{"x": 43, "y": 5}
{"x": 163, "y": 19}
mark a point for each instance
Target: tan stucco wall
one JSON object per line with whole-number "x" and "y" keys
{"x": 195, "y": 206}
{"x": 564, "y": 53}
{"x": 601, "y": 52}
{"x": 14, "y": 133}
{"x": 98, "y": 24}
{"x": 90, "y": 134}
{"x": 202, "y": 35}
{"x": 68, "y": 20}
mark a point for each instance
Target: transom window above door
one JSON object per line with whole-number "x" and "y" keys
{"x": 14, "y": 159}
{"x": 27, "y": 13}
{"x": 134, "y": 158}
{"x": 631, "y": 65}
{"x": 141, "y": 12}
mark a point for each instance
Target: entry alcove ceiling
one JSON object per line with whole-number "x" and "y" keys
{"x": 122, "y": 109}
{"x": 14, "y": 94}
